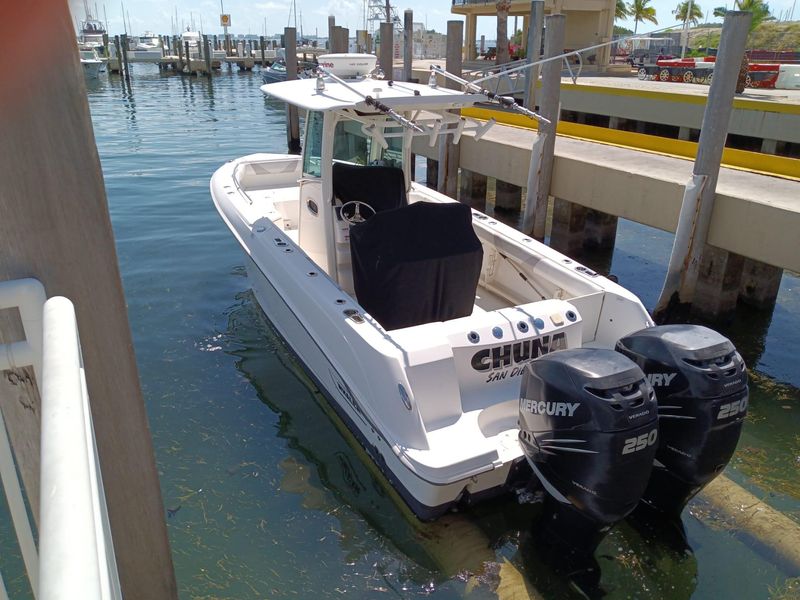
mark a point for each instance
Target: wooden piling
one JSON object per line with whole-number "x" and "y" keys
{"x": 55, "y": 227}
{"x": 124, "y": 65}
{"x": 450, "y": 153}
{"x": 386, "y": 59}
{"x": 187, "y": 54}
{"x": 118, "y": 50}
{"x": 207, "y": 53}
{"x": 698, "y": 201}
{"x": 263, "y": 55}
{"x": 408, "y": 43}
{"x": 180, "y": 56}
{"x": 541, "y": 168}
{"x": 292, "y": 116}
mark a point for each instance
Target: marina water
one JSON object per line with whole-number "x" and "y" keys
{"x": 265, "y": 494}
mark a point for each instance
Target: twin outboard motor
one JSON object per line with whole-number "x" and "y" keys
{"x": 700, "y": 382}
{"x": 589, "y": 429}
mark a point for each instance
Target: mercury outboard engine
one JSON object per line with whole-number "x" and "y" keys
{"x": 588, "y": 427}
{"x": 700, "y": 382}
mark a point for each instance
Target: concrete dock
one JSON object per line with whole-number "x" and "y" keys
{"x": 756, "y": 217}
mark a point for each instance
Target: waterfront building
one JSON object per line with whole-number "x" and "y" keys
{"x": 589, "y": 22}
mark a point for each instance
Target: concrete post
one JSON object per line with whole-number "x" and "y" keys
{"x": 469, "y": 37}
{"x": 600, "y": 231}
{"x": 534, "y": 45}
{"x": 717, "y": 289}
{"x": 361, "y": 40}
{"x": 472, "y": 190}
{"x": 684, "y": 133}
{"x": 541, "y": 169}
{"x": 769, "y": 146}
{"x": 569, "y": 223}
{"x": 408, "y": 43}
{"x": 760, "y": 284}
{"x": 292, "y": 117}
{"x": 507, "y": 196}
{"x": 331, "y": 37}
{"x": 431, "y": 173}
{"x": 387, "y": 42}
{"x": 450, "y": 153}
{"x": 698, "y": 202}
{"x": 55, "y": 227}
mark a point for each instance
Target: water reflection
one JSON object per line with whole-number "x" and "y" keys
{"x": 491, "y": 547}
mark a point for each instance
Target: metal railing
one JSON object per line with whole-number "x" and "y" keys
{"x": 75, "y": 558}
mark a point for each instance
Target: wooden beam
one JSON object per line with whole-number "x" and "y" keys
{"x": 55, "y": 227}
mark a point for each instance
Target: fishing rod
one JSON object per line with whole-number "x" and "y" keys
{"x": 388, "y": 111}
{"x": 505, "y": 101}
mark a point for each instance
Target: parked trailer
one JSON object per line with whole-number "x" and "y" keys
{"x": 701, "y": 70}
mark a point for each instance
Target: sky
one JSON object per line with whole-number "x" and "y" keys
{"x": 247, "y": 16}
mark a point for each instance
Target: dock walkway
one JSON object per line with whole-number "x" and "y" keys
{"x": 756, "y": 216}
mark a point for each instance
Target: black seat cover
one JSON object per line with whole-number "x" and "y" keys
{"x": 416, "y": 264}
{"x": 383, "y": 188}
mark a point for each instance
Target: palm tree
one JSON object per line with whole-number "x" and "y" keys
{"x": 640, "y": 12}
{"x": 503, "y": 6}
{"x": 759, "y": 8}
{"x": 622, "y": 11}
{"x": 682, "y": 9}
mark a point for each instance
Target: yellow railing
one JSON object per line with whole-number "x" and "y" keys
{"x": 756, "y": 162}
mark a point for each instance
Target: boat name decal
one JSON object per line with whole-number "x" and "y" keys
{"x": 554, "y": 409}
{"x": 498, "y": 360}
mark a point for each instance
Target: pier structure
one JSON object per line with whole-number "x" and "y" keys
{"x": 755, "y": 226}
{"x": 589, "y": 22}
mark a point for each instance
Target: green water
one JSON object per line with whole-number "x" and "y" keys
{"x": 269, "y": 496}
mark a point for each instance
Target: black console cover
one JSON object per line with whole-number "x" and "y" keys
{"x": 416, "y": 264}
{"x": 383, "y": 188}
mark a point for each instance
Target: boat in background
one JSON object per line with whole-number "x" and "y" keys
{"x": 276, "y": 72}
{"x": 91, "y": 63}
{"x": 469, "y": 359}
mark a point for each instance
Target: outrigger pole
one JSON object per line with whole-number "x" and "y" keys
{"x": 506, "y": 101}
{"x": 388, "y": 111}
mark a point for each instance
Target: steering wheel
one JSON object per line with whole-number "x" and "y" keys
{"x": 356, "y": 216}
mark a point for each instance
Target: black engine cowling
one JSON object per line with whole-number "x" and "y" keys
{"x": 588, "y": 427}
{"x": 700, "y": 382}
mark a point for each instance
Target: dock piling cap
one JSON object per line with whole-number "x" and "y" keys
{"x": 348, "y": 66}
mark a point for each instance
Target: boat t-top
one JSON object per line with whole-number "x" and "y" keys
{"x": 467, "y": 358}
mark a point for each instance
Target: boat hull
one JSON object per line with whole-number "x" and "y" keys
{"x": 427, "y": 500}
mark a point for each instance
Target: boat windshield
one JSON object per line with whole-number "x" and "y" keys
{"x": 350, "y": 145}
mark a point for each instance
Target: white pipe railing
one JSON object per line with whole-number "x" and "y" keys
{"x": 76, "y": 554}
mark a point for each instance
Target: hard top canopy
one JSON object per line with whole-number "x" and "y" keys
{"x": 398, "y": 95}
